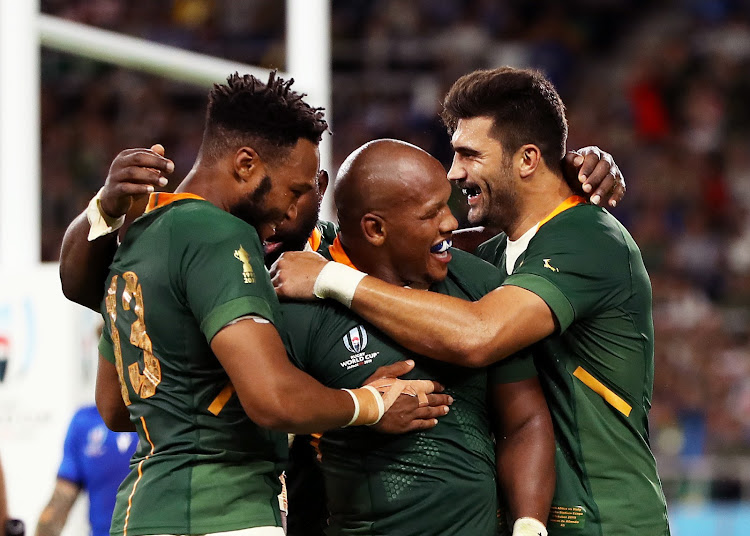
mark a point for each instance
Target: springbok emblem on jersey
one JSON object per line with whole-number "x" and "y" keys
{"x": 548, "y": 265}
{"x": 356, "y": 340}
{"x": 247, "y": 270}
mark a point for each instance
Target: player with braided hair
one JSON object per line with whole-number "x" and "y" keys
{"x": 190, "y": 355}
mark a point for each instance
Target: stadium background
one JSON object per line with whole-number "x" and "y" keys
{"x": 662, "y": 85}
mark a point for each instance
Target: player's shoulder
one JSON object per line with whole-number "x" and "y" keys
{"x": 202, "y": 221}
{"x": 492, "y": 250}
{"x": 461, "y": 260}
{"x": 201, "y": 211}
{"x": 475, "y": 275}
{"x": 586, "y": 226}
{"x": 308, "y": 312}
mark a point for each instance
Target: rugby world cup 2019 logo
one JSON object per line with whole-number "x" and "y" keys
{"x": 356, "y": 340}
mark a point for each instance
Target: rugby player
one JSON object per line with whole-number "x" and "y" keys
{"x": 576, "y": 289}
{"x": 190, "y": 356}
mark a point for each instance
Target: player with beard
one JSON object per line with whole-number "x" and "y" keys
{"x": 302, "y": 230}
{"x": 576, "y": 289}
{"x": 137, "y": 171}
{"x": 190, "y": 355}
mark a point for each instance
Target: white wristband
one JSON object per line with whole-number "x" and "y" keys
{"x": 378, "y": 400}
{"x": 338, "y": 281}
{"x": 371, "y": 414}
{"x": 100, "y": 223}
{"x": 356, "y": 407}
{"x": 528, "y": 526}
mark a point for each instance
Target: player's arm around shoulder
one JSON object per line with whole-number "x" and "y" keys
{"x": 90, "y": 241}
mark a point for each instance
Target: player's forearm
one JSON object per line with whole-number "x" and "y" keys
{"x": 3, "y": 500}
{"x": 526, "y": 468}
{"x": 438, "y": 326}
{"x": 109, "y": 401}
{"x": 84, "y": 265}
{"x": 302, "y": 407}
{"x": 53, "y": 517}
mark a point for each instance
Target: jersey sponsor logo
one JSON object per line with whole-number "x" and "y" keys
{"x": 355, "y": 341}
{"x": 357, "y": 360}
{"x": 548, "y": 265}
{"x": 247, "y": 270}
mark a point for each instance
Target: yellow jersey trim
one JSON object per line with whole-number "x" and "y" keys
{"x": 599, "y": 388}
{"x": 162, "y": 199}
{"x": 570, "y": 202}
{"x": 316, "y": 238}
{"x": 140, "y": 476}
{"x": 338, "y": 254}
{"x": 221, "y": 399}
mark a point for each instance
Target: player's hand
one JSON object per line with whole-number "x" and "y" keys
{"x": 595, "y": 173}
{"x": 406, "y": 414}
{"x": 294, "y": 273}
{"x": 134, "y": 172}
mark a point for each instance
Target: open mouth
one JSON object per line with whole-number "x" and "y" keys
{"x": 271, "y": 247}
{"x": 472, "y": 193}
{"x": 442, "y": 249}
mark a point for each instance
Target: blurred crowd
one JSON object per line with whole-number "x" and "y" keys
{"x": 662, "y": 85}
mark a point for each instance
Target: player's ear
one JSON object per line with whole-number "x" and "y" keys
{"x": 322, "y": 183}
{"x": 248, "y": 165}
{"x": 529, "y": 157}
{"x": 373, "y": 228}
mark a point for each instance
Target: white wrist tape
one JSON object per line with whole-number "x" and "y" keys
{"x": 528, "y": 526}
{"x": 338, "y": 281}
{"x": 101, "y": 224}
{"x": 379, "y": 401}
{"x": 356, "y": 407}
{"x": 366, "y": 412}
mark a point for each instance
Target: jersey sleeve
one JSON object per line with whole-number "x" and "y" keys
{"x": 515, "y": 368}
{"x": 106, "y": 348}
{"x": 297, "y": 340}
{"x": 70, "y": 467}
{"x": 492, "y": 250}
{"x": 222, "y": 275}
{"x": 577, "y": 270}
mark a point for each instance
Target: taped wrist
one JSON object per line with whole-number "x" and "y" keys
{"x": 368, "y": 406}
{"x": 391, "y": 388}
{"x": 338, "y": 281}
{"x": 100, "y": 223}
{"x": 528, "y": 526}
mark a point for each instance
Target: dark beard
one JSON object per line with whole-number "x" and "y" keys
{"x": 251, "y": 209}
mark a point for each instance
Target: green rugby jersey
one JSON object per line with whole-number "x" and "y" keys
{"x": 322, "y": 236}
{"x": 186, "y": 269}
{"x": 437, "y": 481}
{"x": 596, "y": 370}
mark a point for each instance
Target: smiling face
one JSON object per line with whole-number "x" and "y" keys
{"x": 419, "y": 225}
{"x": 484, "y": 173}
{"x": 275, "y": 195}
{"x": 293, "y": 232}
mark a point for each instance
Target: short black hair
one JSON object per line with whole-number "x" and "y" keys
{"x": 270, "y": 117}
{"x": 524, "y": 106}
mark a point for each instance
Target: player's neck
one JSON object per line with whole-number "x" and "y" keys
{"x": 538, "y": 200}
{"x": 203, "y": 183}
